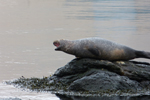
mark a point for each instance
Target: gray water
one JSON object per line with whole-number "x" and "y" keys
{"x": 28, "y": 28}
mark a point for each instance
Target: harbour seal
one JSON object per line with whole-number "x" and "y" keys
{"x": 99, "y": 48}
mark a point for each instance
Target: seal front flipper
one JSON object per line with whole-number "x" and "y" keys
{"x": 94, "y": 51}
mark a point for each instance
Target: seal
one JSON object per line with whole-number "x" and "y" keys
{"x": 99, "y": 48}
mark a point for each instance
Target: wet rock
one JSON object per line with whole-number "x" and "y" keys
{"x": 102, "y": 81}
{"x": 67, "y": 97}
{"x": 92, "y": 76}
{"x": 139, "y": 72}
{"x": 95, "y": 75}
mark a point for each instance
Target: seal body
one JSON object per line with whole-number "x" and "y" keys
{"x": 99, "y": 48}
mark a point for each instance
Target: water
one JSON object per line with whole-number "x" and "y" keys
{"x": 28, "y": 28}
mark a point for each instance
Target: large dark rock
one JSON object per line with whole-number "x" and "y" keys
{"x": 92, "y": 76}
{"x": 103, "y": 80}
{"x": 95, "y": 75}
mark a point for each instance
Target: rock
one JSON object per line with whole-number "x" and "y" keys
{"x": 95, "y": 75}
{"x": 92, "y": 76}
{"x": 102, "y": 81}
{"x": 139, "y": 72}
{"x": 68, "y": 97}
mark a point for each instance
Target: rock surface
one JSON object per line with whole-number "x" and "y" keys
{"x": 67, "y": 97}
{"x": 91, "y": 76}
{"x": 95, "y": 75}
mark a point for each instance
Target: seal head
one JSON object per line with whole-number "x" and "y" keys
{"x": 63, "y": 45}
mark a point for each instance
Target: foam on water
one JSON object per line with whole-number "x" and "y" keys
{"x": 9, "y": 91}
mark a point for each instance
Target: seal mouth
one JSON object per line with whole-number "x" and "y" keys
{"x": 57, "y": 44}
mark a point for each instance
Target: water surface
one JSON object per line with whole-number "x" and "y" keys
{"x": 28, "y": 28}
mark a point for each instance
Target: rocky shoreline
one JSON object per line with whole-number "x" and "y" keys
{"x": 93, "y": 77}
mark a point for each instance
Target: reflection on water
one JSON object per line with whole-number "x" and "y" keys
{"x": 28, "y": 28}
{"x": 64, "y": 97}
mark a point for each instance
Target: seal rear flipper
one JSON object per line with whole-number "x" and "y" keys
{"x": 142, "y": 54}
{"x": 94, "y": 51}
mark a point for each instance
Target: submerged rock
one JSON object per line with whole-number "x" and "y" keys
{"x": 91, "y": 76}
